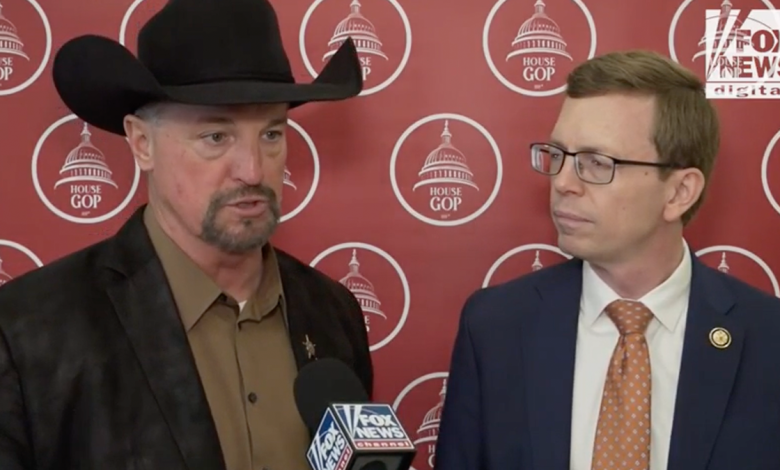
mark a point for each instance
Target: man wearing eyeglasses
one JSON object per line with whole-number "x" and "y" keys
{"x": 633, "y": 355}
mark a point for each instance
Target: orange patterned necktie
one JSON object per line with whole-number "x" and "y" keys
{"x": 623, "y": 433}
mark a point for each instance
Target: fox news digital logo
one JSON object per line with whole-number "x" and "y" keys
{"x": 742, "y": 50}
{"x": 373, "y": 427}
{"x": 329, "y": 449}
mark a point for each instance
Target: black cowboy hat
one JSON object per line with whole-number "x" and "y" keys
{"x": 202, "y": 52}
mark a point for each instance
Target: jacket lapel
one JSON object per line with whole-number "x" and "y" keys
{"x": 308, "y": 332}
{"x": 148, "y": 313}
{"x": 549, "y": 367}
{"x": 707, "y": 373}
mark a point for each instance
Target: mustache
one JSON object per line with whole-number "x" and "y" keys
{"x": 261, "y": 190}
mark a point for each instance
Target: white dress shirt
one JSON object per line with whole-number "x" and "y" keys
{"x": 596, "y": 340}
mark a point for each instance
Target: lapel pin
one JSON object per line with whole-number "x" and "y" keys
{"x": 720, "y": 338}
{"x": 310, "y": 347}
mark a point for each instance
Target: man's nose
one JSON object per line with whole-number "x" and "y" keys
{"x": 567, "y": 181}
{"x": 249, "y": 167}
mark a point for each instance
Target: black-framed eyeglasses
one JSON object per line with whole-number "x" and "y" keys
{"x": 591, "y": 167}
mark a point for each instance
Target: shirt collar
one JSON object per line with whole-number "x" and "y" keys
{"x": 596, "y": 294}
{"x": 194, "y": 292}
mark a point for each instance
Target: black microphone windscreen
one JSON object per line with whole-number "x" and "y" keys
{"x": 322, "y": 383}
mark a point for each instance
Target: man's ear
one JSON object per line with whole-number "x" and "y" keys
{"x": 684, "y": 188}
{"x": 139, "y": 137}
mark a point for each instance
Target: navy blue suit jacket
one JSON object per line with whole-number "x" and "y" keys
{"x": 509, "y": 393}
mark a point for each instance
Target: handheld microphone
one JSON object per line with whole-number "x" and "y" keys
{"x": 348, "y": 432}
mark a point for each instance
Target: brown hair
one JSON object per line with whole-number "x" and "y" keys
{"x": 686, "y": 131}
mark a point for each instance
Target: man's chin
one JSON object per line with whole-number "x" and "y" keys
{"x": 571, "y": 245}
{"x": 258, "y": 235}
{"x": 241, "y": 237}
{"x": 241, "y": 246}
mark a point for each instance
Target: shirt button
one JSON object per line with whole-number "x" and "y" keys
{"x": 252, "y": 397}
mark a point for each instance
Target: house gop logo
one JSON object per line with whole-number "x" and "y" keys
{"x": 522, "y": 260}
{"x": 25, "y": 51}
{"x": 446, "y": 170}
{"x": 419, "y": 406}
{"x": 81, "y": 176}
{"x": 689, "y": 47}
{"x": 743, "y": 264}
{"x": 380, "y": 30}
{"x": 377, "y": 281}
{"x": 534, "y": 57}
{"x": 15, "y": 260}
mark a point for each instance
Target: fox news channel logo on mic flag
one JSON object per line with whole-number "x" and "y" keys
{"x": 347, "y": 429}
{"x": 742, "y": 51}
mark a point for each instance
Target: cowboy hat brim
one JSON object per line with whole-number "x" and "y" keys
{"x": 101, "y": 82}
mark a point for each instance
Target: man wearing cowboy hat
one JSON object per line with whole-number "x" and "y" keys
{"x": 175, "y": 343}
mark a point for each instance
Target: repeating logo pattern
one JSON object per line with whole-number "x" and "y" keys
{"x": 83, "y": 175}
{"x": 25, "y": 52}
{"x": 742, "y": 263}
{"x": 544, "y": 48}
{"x": 770, "y": 182}
{"x": 521, "y": 260}
{"x": 419, "y": 406}
{"x": 380, "y": 30}
{"x": 431, "y": 173}
{"x": 302, "y": 172}
{"x": 16, "y": 260}
{"x": 377, "y": 281}
{"x": 438, "y": 194}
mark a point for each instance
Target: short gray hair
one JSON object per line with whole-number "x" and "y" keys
{"x": 151, "y": 112}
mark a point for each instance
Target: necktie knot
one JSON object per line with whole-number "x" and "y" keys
{"x": 629, "y": 316}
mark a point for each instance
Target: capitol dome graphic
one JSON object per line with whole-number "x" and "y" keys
{"x": 288, "y": 179}
{"x": 363, "y": 289}
{"x": 539, "y": 34}
{"x": 85, "y": 164}
{"x": 4, "y": 276}
{"x": 362, "y": 32}
{"x": 446, "y": 165}
{"x": 537, "y": 265}
{"x": 736, "y": 36}
{"x": 429, "y": 428}
{"x": 723, "y": 266}
{"x": 10, "y": 42}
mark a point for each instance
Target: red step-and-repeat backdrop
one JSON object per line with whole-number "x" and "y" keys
{"x": 414, "y": 194}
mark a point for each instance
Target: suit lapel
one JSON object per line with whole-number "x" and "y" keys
{"x": 707, "y": 373}
{"x": 549, "y": 367}
{"x": 148, "y": 313}
{"x": 308, "y": 336}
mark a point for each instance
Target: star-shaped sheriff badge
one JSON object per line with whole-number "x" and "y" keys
{"x": 310, "y": 347}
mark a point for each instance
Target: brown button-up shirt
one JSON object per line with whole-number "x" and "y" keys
{"x": 244, "y": 358}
